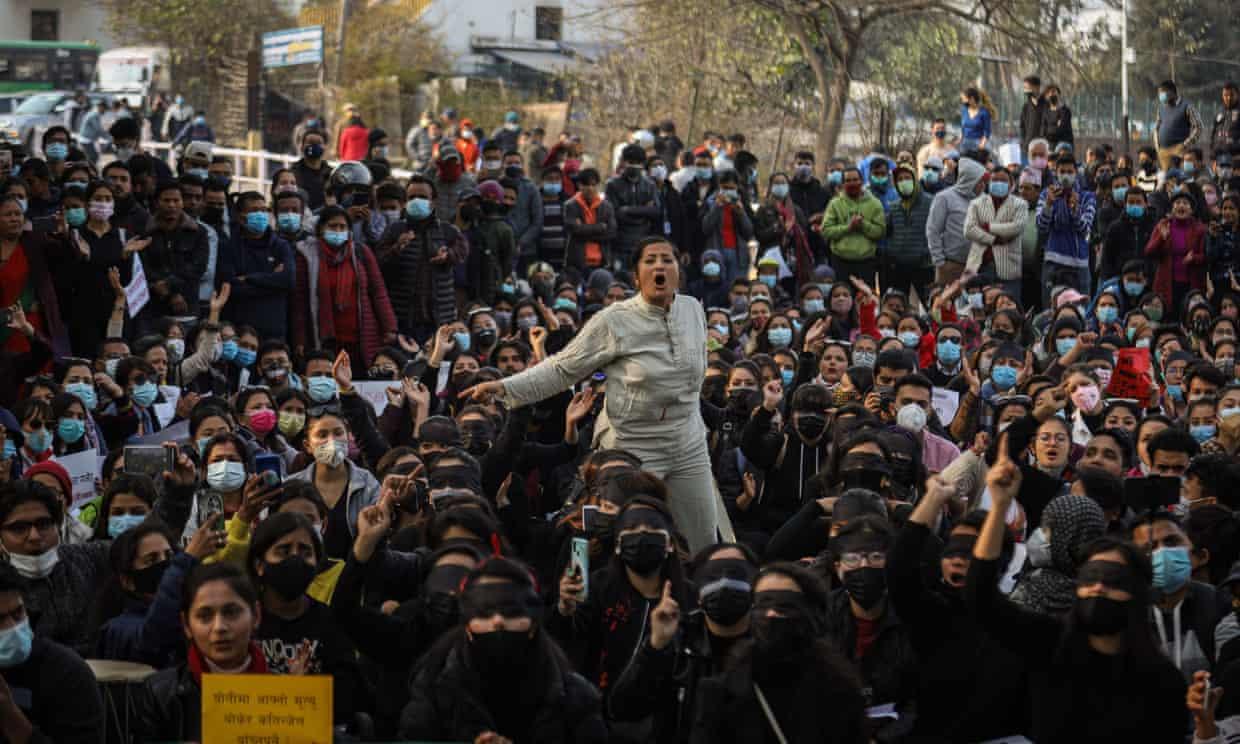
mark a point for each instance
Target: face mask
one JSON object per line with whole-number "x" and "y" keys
{"x": 1104, "y": 376}
{"x": 1039, "y": 548}
{"x": 911, "y": 417}
{"x": 39, "y": 441}
{"x": 109, "y": 366}
{"x": 1203, "y": 432}
{"x": 15, "y": 644}
{"x": 57, "y": 151}
{"x": 336, "y": 238}
{"x": 71, "y": 430}
{"x": 176, "y": 348}
{"x": 813, "y": 305}
{"x": 1003, "y": 376}
{"x": 23, "y": 204}
{"x": 779, "y": 190}
{"x": 1067, "y": 180}
{"x": 526, "y": 322}
{"x": 552, "y": 189}
{"x": 704, "y": 173}
{"x": 999, "y": 189}
{"x": 288, "y": 222}
{"x": 312, "y": 151}
{"x": 786, "y": 376}
{"x": 1101, "y": 615}
{"x": 35, "y": 566}
{"x": 835, "y": 177}
{"x": 245, "y": 357}
{"x": 948, "y": 352}
{"x": 322, "y": 389}
{"x": 291, "y": 423}
{"x": 85, "y": 392}
{"x": 864, "y": 358}
{"x": 711, "y": 270}
{"x": 418, "y": 208}
{"x": 811, "y": 425}
{"x": 123, "y": 523}
{"x": 905, "y": 187}
{"x": 866, "y": 586}
{"x": 879, "y": 182}
{"x": 262, "y": 421}
{"x": 1134, "y": 289}
{"x": 729, "y": 194}
{"x": 462, "y": 340}
{"x": 212, "y": 215}
{"x": 644, "y": 552}
{"x": 101, "y": 211}
{"x": 726, "y": 601}
{"x": 930, "y": 177}
{"x": 1039, "y": 162}
{"x": 331, "y": 453}
{"x": 803, "y": 172}
{"x": 501, "y": 653}
{"x": 910, "y": 339}
{"x": 779, "y": 337}
{"x": 226, "y": 476}
{"x": 1064, "y": 345}
{"x": 503, "y": 318}
{"x": 75, "y": 216}
{"x": 289, "y": 578}
{"x": 257, "y": 222}
{"x": 1119, "y": 193}
{"x": 1086, "y": 397}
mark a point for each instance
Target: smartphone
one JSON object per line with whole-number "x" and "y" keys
{"x": 149, "y": 460}
{"x": 581, "y": 564}
{"x": 268, "y": 463}
{"x": 587, "y": 517}
{"x": 219, "y": 523}
{"x": 1151, "y": 492}
{"x": 6, "y": 162}
{"x": 6, "y": 317}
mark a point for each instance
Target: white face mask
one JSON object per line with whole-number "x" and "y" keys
{"x": 226, "y": 476}
{"x": 35, "y": 566}
{"x": 176, "y": 348}
{"x": 331, "y": 453}
{"x": 911, "y": 417}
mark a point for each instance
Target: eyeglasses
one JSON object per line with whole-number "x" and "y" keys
{"x": 1048, "y": 438}
{"x": 873, "y": 559}
{"x": 22, "y": 528}
{"x": 327, "y": 409}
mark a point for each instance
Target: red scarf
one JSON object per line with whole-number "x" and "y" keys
{"x": 593, "y": 251}
{"x": 198, "y": 665}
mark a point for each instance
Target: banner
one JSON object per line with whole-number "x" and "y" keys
{"x": 83, "y": 469}
{"x": 375, "y": 391}
{"x": 278, "y": 708}
{"x": 945, "y": 402}
{"x": 293, "y": 46}
{"x": 137, "y": 293}
{"x": 1131, "y": 378}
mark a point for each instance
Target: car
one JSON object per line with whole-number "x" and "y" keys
{"x": 39, "y": 112}
{"x": 10, "y": 101}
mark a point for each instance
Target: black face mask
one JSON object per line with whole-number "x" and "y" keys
{"x": 727, "y": 605}
{"x": 379, "y": 373}
{"x": 902, "y": 471}
{"x": 212, "y": 215}
{"x": 289, "y": 578}
{"x": 442, "y": 610}
{"x": 632, "y": 173}
{"x": 601, "y": 525}
{"x": 502, "y": 649}
{"x": 146, "y": 580}
{"x": 712, "y": 389}
{"x": 866, "y": 586}
{"x": 1201, "y": 326}
{"x": 644, "y": 552}
{"x": 811, "y": 425}
{"x": 741, "y": 399}
{"x": 477, "y": 437}
{"x": 470, "y": 213}
{"x": 222, "y": 182}
{"x": 493, "y": 208}
{"x": 1100, "y": 615}
{"x": 485, "y": 338}
{"x": 514, "y": 172}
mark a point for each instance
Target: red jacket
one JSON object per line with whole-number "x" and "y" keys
{"x": 354, "y": 143}
{"x": 312, "y": 317}
{"x": 1195, "y": 260}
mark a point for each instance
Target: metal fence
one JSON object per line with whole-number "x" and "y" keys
{"x": 1099, "y": 116}
{"x": 252, "y": 169}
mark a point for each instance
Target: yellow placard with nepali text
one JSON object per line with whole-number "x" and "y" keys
{"x": 266, "y": 709}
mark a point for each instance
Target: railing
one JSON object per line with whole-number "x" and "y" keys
{"x": 251, "y": 168}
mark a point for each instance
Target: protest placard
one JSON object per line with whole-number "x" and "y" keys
{"x": 253, "y": 708}
{"x": 375, "y": 391}
{"x": 137, "y": 293}
{"x": 945, "y": 403}
{"x": 1131, "y": 376}
{"x": 83, "y": 469}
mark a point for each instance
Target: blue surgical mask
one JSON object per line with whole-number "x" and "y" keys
{"x": 864, "y": 358}
{"x": 730, "y": 194}
{"x": 1064, "y": 345}
{"x": 257, "y": 222}
{"x": 202, "y": 446}
{"x": 948, "y": 352}
{"x": 39, "y": 441}
{"x": 144, "y": 394}
{"x": 768, "y": 279}
{"x": 228, "y": 350}
{"x": 122, "y": 523}
{"x": 85, "y": 393}
{"x": 835, "y": 177}
{"x": 910, "y": 339}
{"x": 57, "y": 151}
{"x": 288, "y": 222}
{"x": 1107, "y": 313}
{"x": 336, "y": 238}
{"x": 199, "y": 173}
{"x": 722, "y": 330}
{"x": 1134, "y": 289}
{"x": 75, "y": 216}
{"x": 1163, "y": 97}
{"x": 786, "y": 376}
{"x": 879, "y": 182}
{"x": 15, "y": 644}
{"x": 321, "y": 389}
{"x": 814, "y": 305}
{"x": 704, "y": 173}
{"x": 1135, "y": 211}
{"x": 930, "y": 177}
{"x": 9, "y": 450}
{"x": 711, "y": 269}
{"x": 1172, "y": 568}
{"x": 1202, "y": 432}
{"x": 226, "y": 476}
{"x": 1003, "y": 376}
{"x": 462, "y": 341}
{"x": 779, "y": 190}
{"x": 563, "y": 303}
{"x": 1119, "y": 193}
{"x": 71, "y": 430}
{"x": 418, "y": 208}
{"x": 999, "y": 189}
{"x": 246, "y": 357}
{"x": 552, "y": 189}
{"x": 1175, "y": 391}
{"x": 780, "y": 337}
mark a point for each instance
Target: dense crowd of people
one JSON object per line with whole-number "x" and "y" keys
{"x": 937, "y": 447}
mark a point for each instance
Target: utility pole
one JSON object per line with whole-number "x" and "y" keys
{"x": 1124, "y": 67}
{"x": 340, "y": 27}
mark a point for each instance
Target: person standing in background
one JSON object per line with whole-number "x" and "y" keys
{"x": 1178, "y": 127}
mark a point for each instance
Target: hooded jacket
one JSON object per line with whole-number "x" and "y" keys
{"x": 1004, "y": 227}
{"x": 945, "y": 226}
{"x": 786, "y": 461}
{"x": 859, "y": 245}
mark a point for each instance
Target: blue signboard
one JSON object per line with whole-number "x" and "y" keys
{"x": 293, "y": 46}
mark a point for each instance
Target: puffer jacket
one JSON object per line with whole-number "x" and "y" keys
{"x": 906, "y": 231}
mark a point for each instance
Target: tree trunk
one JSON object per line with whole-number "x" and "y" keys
{"x": 835, "y": 95}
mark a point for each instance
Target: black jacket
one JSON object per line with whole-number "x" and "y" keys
{"x": 313, "y": 181}
{"x": 57, "y": 693}
{"x": 810, "y": 196}
{"x": 1031, "y": 121}
{"x": 1057, "y": 125}
{"x": 262, "y": 299}
{"x": 969, "y": 687}
{"x": 179, "y": 258}
{"x": 637, "y": 211}
{"x": 787, "y": 463}
{"x": 823, "y": 705}
{"x": 168, "y": 707}
{"x": 447, "y": 700}
{"x": 1124, "y": 240}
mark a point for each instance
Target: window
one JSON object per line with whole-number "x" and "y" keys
{"x": 548, "y": 23}
{"x": 45, "y": 25}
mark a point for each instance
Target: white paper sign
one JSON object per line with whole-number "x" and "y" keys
{"x": 83, "y": 469}
{"x": 375, "y": 391}
{"x": 945, "y": 403}
{"x": 137, "y": 293}
{"x": 168, "y": 409}
{"x": 176, "y": 433}
{"x": 1009, "y": 153}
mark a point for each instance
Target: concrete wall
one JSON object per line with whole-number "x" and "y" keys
{"x": 80, "y": 20}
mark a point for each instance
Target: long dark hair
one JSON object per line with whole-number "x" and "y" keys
{"x": 111, "y": 599}
{"x": 1140, "y": 648}
{"x": 672, "y": 569}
